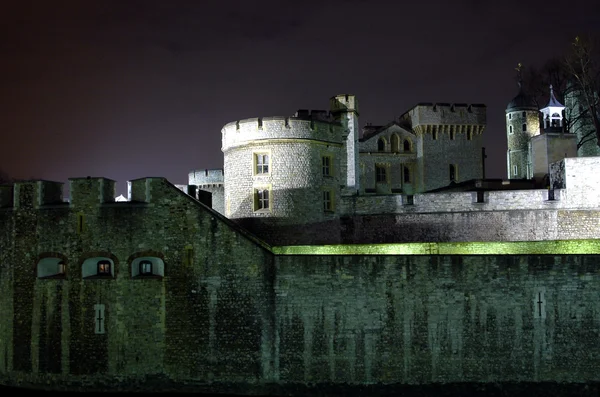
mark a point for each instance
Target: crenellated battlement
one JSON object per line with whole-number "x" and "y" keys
{"x": 279, "y": 127}
{"x": 446, "y": 114}
{"x": 206, "y": 177}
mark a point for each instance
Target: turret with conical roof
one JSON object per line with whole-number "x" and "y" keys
{"x": 522, "y": 123}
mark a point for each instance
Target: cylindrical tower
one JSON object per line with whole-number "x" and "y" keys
{"x": 283, "y": 169}
{"x": 522, "y": 123}
{"x": 344, "y": 109}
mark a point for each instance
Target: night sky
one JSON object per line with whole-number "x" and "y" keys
{"x": 133, "y": 88}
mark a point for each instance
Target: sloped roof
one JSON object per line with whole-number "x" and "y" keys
{"x": 378, "y": 129}
{"x": 521, "y": 102}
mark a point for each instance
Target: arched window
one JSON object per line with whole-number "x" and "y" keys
{"x": 147, "y": 266}
{"x": 98, "y": 267}
{"x": 406, "y": 145}
{"x": 52, "y": 267}
{"x": 381, "y": 145}
{"x": 406, "y": 173}
{"x": 395, "y": 142}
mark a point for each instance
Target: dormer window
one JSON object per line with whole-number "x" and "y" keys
{"x": 104, "y": 268}
{"x": 148, "y": 267}
{"x": 381, "y": 145}
{"x": 51, "y": 267}
{"x": 145, "y": 267}
{"x": 98, "y": 267}
{"x": 406, "y": 145}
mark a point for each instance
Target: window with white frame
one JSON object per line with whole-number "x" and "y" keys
{"x": 262, "y": 200}
{"x": 261, "y": 161}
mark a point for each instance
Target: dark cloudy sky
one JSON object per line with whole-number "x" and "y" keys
{"x": 132, "y": 88}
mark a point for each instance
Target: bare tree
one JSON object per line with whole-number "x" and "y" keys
{"x": 584, "y": 73}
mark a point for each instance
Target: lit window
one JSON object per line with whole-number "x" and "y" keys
{"x": 261, "y": 199}
{"x": 145, "y": 267}
{"x": 104, "y": 268}
{"x": 406, "y": 173}
{"x": 524, "y": 127}
{"x": 262, "y": 163}
{"x": 326, "y": 166}
{"x": 406, "y": 145}
{"x": 327, "y": 201}
{"x": 381, "y": 145}
{"x": 380, "y": 174}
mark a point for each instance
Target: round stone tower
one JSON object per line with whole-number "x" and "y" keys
{"x": 522, "y": 123}
{"x": 283, "y": 170}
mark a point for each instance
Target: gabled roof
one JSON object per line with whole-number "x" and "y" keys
{"x": 370, "y": 134}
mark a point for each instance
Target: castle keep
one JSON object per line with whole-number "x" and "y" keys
{"x": 317, "y": 255}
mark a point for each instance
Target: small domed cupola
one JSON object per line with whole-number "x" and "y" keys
{"x": 552, "y": 114}
{"x": 521, "y": 102}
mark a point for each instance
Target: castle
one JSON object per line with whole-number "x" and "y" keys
{"x": 315, "y": 256}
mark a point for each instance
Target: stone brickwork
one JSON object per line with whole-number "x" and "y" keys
{"x": 437, "y": 155}
{"x": 212, "y": 181}
{"x": 519, "y": 140}
{"x": 231, "y": 310}
{"x": 193, "y": 320}
{"x": 384, "y": 319}
{"x": 295, "y": 180}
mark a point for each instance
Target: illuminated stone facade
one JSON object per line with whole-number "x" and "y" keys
{"x": 163, "y": 293}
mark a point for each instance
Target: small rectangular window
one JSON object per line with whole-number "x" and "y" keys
{"x": 510, "y": 116}
{"x": 326, "y": 166}
{"x": 510, "y": 129}
{"x": 480, "y": 196}
{"x": 104, "y": 267}
{"x": 380, "y": 174}
{"x": 327, "y": 201}
{"x": 145, "y": 267}
{"x": 515, "y": 170}
{"x": 524, "y": 127}
{"x": 409, "y": 200}
{"x": 524, "y": 115}
{"x": 406, "y": 174}
{"x": 261, "y": 199}
{"x": 262, "y": 163}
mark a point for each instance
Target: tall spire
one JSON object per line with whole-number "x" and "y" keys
{"x": 553, "y": 101}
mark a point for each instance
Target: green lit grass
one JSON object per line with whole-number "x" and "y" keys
{"x": 558, "y": 247}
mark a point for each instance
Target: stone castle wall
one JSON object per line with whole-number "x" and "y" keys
{"x": 244, "y": 131}
{"x": 295, "y": 179}
{"x": 47, "y": 331}
{"x": 448, "y": 114}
